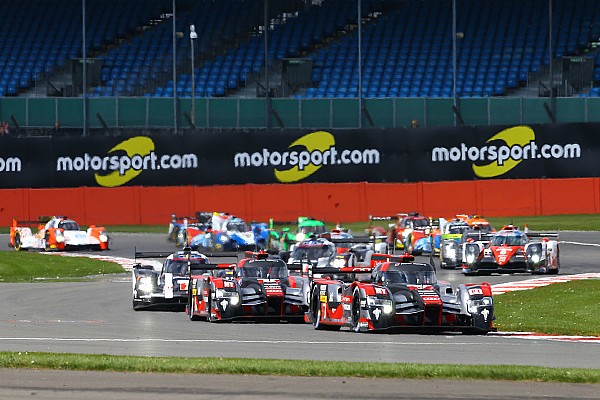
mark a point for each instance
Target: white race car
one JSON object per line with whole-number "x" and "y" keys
{"x": 56, "y": 233}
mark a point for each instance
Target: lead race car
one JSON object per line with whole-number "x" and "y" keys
{"x": 56, "y": 234}
{"x": 400, "y": 296}
{"x": 261, "y": 288}
{"x": 511, "y": 250}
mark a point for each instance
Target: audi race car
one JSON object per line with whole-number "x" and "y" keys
{"x": 401, "y": 296}
{"x": 261, "y": 289}
{"x": 511, "y": 250}
{"x": 56, "y": 233}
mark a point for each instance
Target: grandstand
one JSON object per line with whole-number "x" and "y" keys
{"x": 406, "y": 49}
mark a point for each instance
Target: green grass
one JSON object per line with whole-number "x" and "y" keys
{"x": 26, "y": 267}
{"x": 103, "y": 362}
{"x": 569, "y": 308}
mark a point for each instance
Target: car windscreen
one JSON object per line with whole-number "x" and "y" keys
{"x": 180, "y": 267}
{"x": 68, "y": 225}
{"x": 264, "y": 270}
{"x": 312, "y": 253}
{"x": 509, "y": 240}
{"x": 237, "y": 227}
{"x": 412, "y": 276}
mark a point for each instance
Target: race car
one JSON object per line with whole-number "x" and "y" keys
{"x": 476, "y": 222}
{"x": 181, "y": 228}
{"x": 56, "y": 234}
{"x": 402, "y": 296}
{"x": 166, "y": 287}
{"x": 411, "y": 232}
{"x": 450, "y": 242}
{"x": 261, "y": 289}
{"x": 511, "y": 250}
{"x": 231, "y": 234}
{"x": 319, "y": 252}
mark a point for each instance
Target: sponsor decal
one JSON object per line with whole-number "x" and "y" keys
{"x": 10, "y": 164}
{"x": 504, "y": 151}
{"x": 475, "y": 291}
{"x": 125, "y": 161}
{"x": 485, "y": 314}
{"x": 305, "y": 156}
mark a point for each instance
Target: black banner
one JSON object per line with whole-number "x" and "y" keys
{"x": 293, "y": 156}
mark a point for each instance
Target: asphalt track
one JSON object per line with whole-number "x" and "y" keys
{"x": 96, "y": 317}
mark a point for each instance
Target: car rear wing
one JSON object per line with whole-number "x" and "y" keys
{"x": 338, "y": 271}
{"x": 541, "y": 235}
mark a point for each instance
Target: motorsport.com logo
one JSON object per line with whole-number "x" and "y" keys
{"x": 501, "y": 154}
{"x": 123, "y": 163}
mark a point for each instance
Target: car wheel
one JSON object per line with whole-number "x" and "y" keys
{"x": 17, "y": 242}
{"x": 136, "y": 304}
{"x": 555, "y": 271}
{"x": 356, "y": 310}
{"x": 209, "y": 307}
{"x": 410, "y": 245}
{"x": 190, "y": 309}
{"x": 47, "y": 242}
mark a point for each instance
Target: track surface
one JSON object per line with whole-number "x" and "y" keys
{"x": 96, "y": 317}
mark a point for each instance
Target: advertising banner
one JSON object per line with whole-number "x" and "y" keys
{"x": 298, "y": 156}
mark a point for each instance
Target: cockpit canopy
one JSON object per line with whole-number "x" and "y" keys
{"x": 263, "y": 269}
{"x": 510, "y": 239}
{"x": 313, "y": 252}
{"x": 410, "y": 274}
{"x": 68, "y": 225}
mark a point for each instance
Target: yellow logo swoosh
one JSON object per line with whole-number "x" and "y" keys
{"x": 139, "y": 145}
{"x": 517, "y": 135}
{"x": 320, "y": 141}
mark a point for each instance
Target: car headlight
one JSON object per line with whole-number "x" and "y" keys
{"x": 103, "y": 237}
{"x": 535, "y": 258}
{"x": 475, "y": 304}
{"x": 145, "y": 284}
{"x": 450, "y": 252}
{"x": 470, "y": 258}
{"x": 233, "y": 297}
{"x": 385, "y": 304}
{"x": 60, "y": 237}
{"x": 223, "y": 239}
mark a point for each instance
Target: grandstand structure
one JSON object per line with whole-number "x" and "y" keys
{"x": 299, "y": 50}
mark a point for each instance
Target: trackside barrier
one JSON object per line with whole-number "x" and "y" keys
{"x": 340, "y": 202}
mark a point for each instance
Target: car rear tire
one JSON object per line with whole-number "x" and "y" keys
{"x": 17, "y": 242}
{"x": 356, "y": 310}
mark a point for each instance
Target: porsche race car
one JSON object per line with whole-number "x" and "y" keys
{"x": 167, "y": 287}
{"x": 400, "y": 296}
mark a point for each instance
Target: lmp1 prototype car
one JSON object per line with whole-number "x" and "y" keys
{"x": 511, "y": 250}
{"x": 56, "y": 233}
{"x": 451, "y": 241}
{"x": 167, "y": 287}
{"x": 401, "y": 296}
{"x": 262, "y": 289}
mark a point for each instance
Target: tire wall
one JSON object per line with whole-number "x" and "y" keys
{"x": 339, "y": 202}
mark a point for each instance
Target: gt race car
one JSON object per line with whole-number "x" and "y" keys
{"x": 262, "y": 288}
{"x": 402, "y": 297}
{"x": 56, "y": 234}
{"x": 511, "y": 250}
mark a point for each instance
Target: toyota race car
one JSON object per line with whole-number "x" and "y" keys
{"x": 400, "y": 296}
{"x": 262, "y": 288}
{"x": 511, "y": 250}
{"x": 56, "y": 233}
